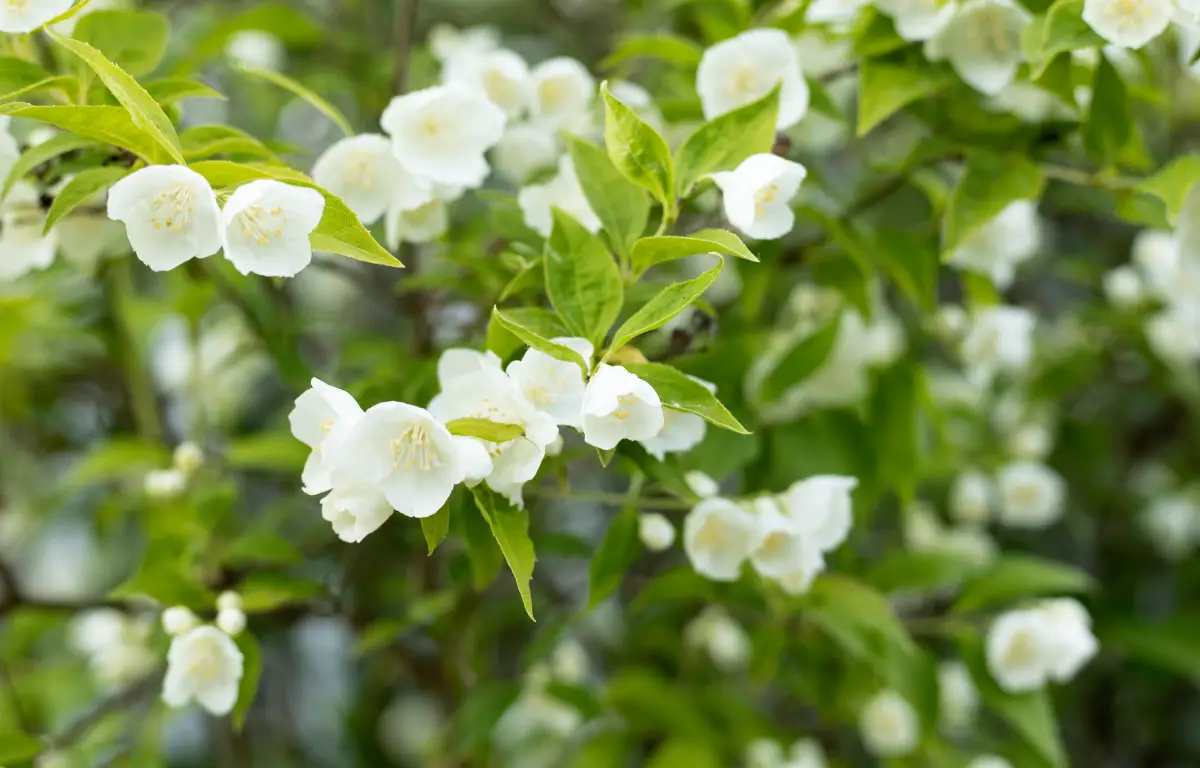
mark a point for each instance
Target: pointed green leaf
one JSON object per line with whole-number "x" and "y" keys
{"x": 802, "y": 360}
{"x": 649, "y": 251}
{"x": 511, "y": 322}
{"x": 133, "y": 40}
{"x": 17, "y": 747}
{"x": 82, "y": 188}
{"x": 582, "y": 279}
{"x": 1173, "y": 183}
{"x": 510, "y": 526}
{"x": 435, "y": 527}
{"x": 1109, "y": 124}
{"x": 722, "y": 143}
{"x": 679, "y": 391}
{"x": 36, "y": 155}
{"x": 1019, "y": 577}
{"x": 622, "y": 206}
{"x": 316, "y": 101}
{"x": 483, "y": 429}
{"x": 669, "y": 48}
{"x": 251, "y": 674}
{"x": 617, "y": 553}
{"x": 204, "y": 141}
{"x": 169, "y": 90}
{"x": 107, "y": 125}
{"x": 637, "y": 150}
{"x": 667, "y": 304}
{"x": 1061, "y": 29}
{"x": 988, "y": 185}
{"x": 885, "y": 89}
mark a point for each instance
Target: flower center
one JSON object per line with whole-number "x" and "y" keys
{"x": 552, "y": 94}
{"x": 712, "y": 533}
{"x": 361, "y": 172}
{"x": 989, "y": 33}
{"x": 763, "y": 196}
{"x": 775, "y": 544}
{"x": 260, "y": 225}
{"x": 415, "y": 449}
{"x": 1026, "y": 496}
{"x": 1022, "y": 651}
{"x": 17, "y": 5}
{"x": 205, "y": 665}
{"x": 172, "y": 208}
{"x": 624, "y": 406}
{"x": 745, "y": 82}
{"x": 499, "y": 88}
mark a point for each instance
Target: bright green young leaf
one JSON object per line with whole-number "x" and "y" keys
{"x": 722, "y": 143}
{"x": 267, "y": 590}
{"x": 912, "y": 263}
{"x": 1173, "y": 182}
{"x": 622, "y": 206}
{"x": 19, "y": 77}
{"x": 170, "y": 90}
{"x": 582, "y": 279}
{"x": 17, "y": 747}
{"x": 144, "y": 110}
{"x": 1109, "y": 125}
{"x": 858, "y": 617}
{"x": 904, "y": 571}
{"x": 482, "y": 429}
{"x": 894, "y": 419}
{"x": 875, "y": 35}
{"x": 1172, "y": 645}
{"x": 82, "y": 188}
{"x": 251, "y": 674}
{"x": 307, "y": 94}
{"x": 435, "y": 527}
{"x": 133, "y": 40}
{"x": 679, "y": 391}
{"x": 988, "y": 185}
{"x": 658, "y": 249}
{"x": 205, "y": 141}
{"x": 1061, "y": 29}
{"x": 667, "y": 304}
{"x": 36, "y": 155}
{"x": 669, "y": 48}
{"x": 513, "y": 323}
{"x": 510, "y": 527}
{"x": 801, "y": 361}
{"x": 885, "y": 89}
{"x": 267, "y": 452}
{"x": 637, "y": 150}
{"x": 107, "y": 125}
{"x": 617, "y": 553}
{"x": 1019, "y": 577}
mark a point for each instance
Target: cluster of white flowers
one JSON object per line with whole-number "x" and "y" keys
{"x": 1051, "y": 640}
{"x": 1134, "y": 23}
{"x": 889, "y": 725}
{"x": 167, "y": 484}
{"x": 535, "y": 724}
{"x": 997, "y": 248}
{"x": 115, "y": 643}
{"x": 1165, "y": 273}
{"x": 768, "y": 753}
{"x": 785, "y": 537}
{"x": 717, "y": 634}
{"x": 998, "y": 339}
{"x": 203, "y": 662}
{"x": 925, "y": 532}
{"x": 1171, "y": 520}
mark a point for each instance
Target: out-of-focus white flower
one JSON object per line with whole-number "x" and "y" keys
{"x": 998, "y": 247}
{"x": 721, "y": 637}
{"x": 805, "y": 753}
{"x": 363, "y": 171}
{"x": 1172, "y": 334}
{"x": 718, "y": 536}
{"x": 188, "y": 457}
{"x": 267, "y": 224}
{"x": 178, "y": 620}
{"x": 231, "y": 621}
{"x": 1159, "y": 258}
{"x": 1123, "y": 287}
{"x": 23, "y": 247}
{"x": 164, "y": 484}
{"x": 553, "y": 386}
{"x": 764, "y": 753}
{"x": 1073, "y": 645}
{"x": 918, "y": 20}
{"x": 569, "y": 662}
{"x": 656, "y": 531}
{"x": 422, "y": 224}
{"x": 354, "y": 508}
{"x": 1051, "y": 641}
{"x": 461, "y": 362}
{"x": 822, "y": 53}
{"x": 1031, "y": 495}
{"x": 957, "y": 696}
{"x": 681, "y": 433}
{"x": 982, "y": 41}
{"x": 758, "y": 194}
{"x": 782, "y": 547}
{"x": 834, "y": 11}
{"x": 950, "y": 322}
{"x": 617, "y": 406}
{"x": 701, "y": 484}
{"x": 889, "y": 725}
{"x": 321, "y": 418}
{"x": 229, "y": 601}
{"x": 1172, "y": 522}
{"x": 1000, "y": 339}
{"x": 745, "y": 68}
{"x": 971, "y": 497}
{"x": 1128, "y": 23}
{"x": 204, "y": 665}
{"x": 500, "y": 75}
{"x": 170, "y": 214}
{"x": 257, "y": 49}
{"x": 1029, "y": 103}
{"x": 23, "y": 16}
{"x": 525, "y": 149}
{"x": 441, "y": 133}
{"x": 989, "y": 761}
{"x": 453, "y": 46}
{"x": 116, "y": 644}
{"x": 410, "y": 727}
{"x": 1031, "y": 441}
{"x": 562, "y": 91}
{"x": 562, "y": 192}
{"x": 821, "y": 506}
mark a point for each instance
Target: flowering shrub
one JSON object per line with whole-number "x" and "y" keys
{"x": 821, "y": 375}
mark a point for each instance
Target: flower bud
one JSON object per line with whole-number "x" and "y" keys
{"x": 178, "y": 620}
{"x": 656, "y": 532}
{"x": 229, "y": 601}
{"x": 188, "y": 457}
{"x": 231, "y": 621}
{"x": 164, "y": 484}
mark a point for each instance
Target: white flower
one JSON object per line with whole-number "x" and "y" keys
{"x": 918, "y": 20}
{"x": 821, "y": 506}
{"x": 459, "y": 362}
{"x": 617, "y": 406}
{"x": 1172, "y": 333}
{"x": 782, "y": 548}
{"x": 23, "y": 247}
{"x": 204, "y": 665}
{"x": 115, "y": 643}
{"x": 889, "y": 725}
{"x": 422, "y": 224}
{"x": 656, "y": 531}
{"x": 1018, "y": 650}
{"x": 718, "y": 536}
{"x": 1123, "y": 287}
{"x": 321, "y": 419}
{"x": 1031, "y": 441}
{"x": 411, "y": 456}
{"x": 257, "y": 49}
{"x": 452, "y": 46}
{"x": 231, "y": 621}
{"x": 229, "y": 601}
{"x": 178, "y": 620}
{"x": 998, "y": 247}
{"x": 563, "y": 192}
{"x": 354, "y": 508}
{"x": 989, "y": 761}
{"x": 1160, "y": 258}
{"x": 267, "y": 224}
{"x": 806, "y": 753}
{"x": 764, "y": 753}
{"x": 721, "y": 637}
{"x": 562, "y": 91}
{"x": 1000, "y": 339}
{"x": 18, "y": 16}
{"x": 495, "y": 396}
{"x": 525, "y": 148}
{"x": 982, "y": 41}
{"x": 834, "y": 11}
{"x": 188, "y": 457}
{"x": 164, "y": 484}
{"x": 971, "y": 497}
{"x": 681, "y": 433}
{"x": 442, "y": 133}
{"x": 1128, "y": 23}
{"x": 758, "y": 194}
{"x": 1031, "y": 495}
{"x": 500, "y": 75}
{"x": 745, "y": 68}
{"x": 569, "y": 662}
{"x": 170, "y": 215}
{"x": 363, "y": 172}
{"x": 957, "y": 696}
{"x": 1072, "y": 643}
{"x": 554, "y": 386}
{"x": 1172, "y": 522}
{"x": 701, "y": 484}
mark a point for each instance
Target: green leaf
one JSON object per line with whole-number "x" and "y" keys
{"x": 117, "y": 459}
{"x": 288, "y": 84}
{"x": 1017, "y": 577}
{"x": 912, "y": 263}
{"x": 512, "y": 323}
{"x": 582, "y": 280}
{"x": 107, "y": 125}
{"x": 672, "y": 49}
{"x": 1061, "y": 29}
{"x": 18, "y": 77}
{"x": 82, "y": 188}
{"x": 169, "y": 90}
{"x": 251, "y": 674}
{"x": 802, "y": 360}
{"x": 679, "y": 391}
{"x": 884, "y": 89}
{"x": 667, "y": 304}
{"x": 621, "y": 205}
{"x": 894, "y": 417}
{"x": 649, "y": 251}
{"x": 17, "y": 747}
{"x": 988, "y": 185}
{"x": 482, "y": 429}
{"x": 133, "y": 40}
{"x": 1173, "y": 182}
{"x": 435, "y": 527}
{"x": 637, "y": 150}
{"x": 1108, "y": 125}
{"x": 204, "y": 141}
{"x": 145, "y": 111}
{"x": 265, "y": 591}
{"x": 267, "y": 451}
{"x": 340, "y": 230}
{"x": 686, "y": 752}
{"x": 616, "y": 554}
{"x": 722, "y": 143}
{"x": 857, "y": 617}
{"x": 1172, "y": 645}
{"x": 510, "y": 526}
{"x": 902, "y": 571}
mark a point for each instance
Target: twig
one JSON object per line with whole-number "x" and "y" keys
{"x": 406, "y": 23}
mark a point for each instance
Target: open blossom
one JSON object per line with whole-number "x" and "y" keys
{"x": 170, "y": 215}
{"x": 758, "y": 194}
{"x": 354, "y": 508}
{"x": 982, "y": 41}
{"x": 500, "y": 75}
{"x": 363, "y": 172}
{"x": 997, "y": 248}
{"x": 745, "y": 68}
{"x": 321, "y": 419}
{"x": 782, "y": 548}
{"x": 458, "y": 362}
{"x": 617, "y": 406}
{"x": 1000, "y": 339}
{"x": 267, "y": 224}
{"x": 562, "y": 192}
{"x": 525, "y": 149}
{"x": 957, "y": 696}
{"x": 681, "y": 432}
{"x": 410, "y": 456}
{"x": 971, "y": 497}
{"x": 718, "y": 536}
{"x": 1031, "y": 495}
{"x": 917, "y": 20}
{"x": 701, "y": 484}
{"x": 203, "y": 664}
{"x": 725, "y": 641}
{"x": 656, "y": 531}
{"x": 1073, "y": 645}
{"x": 821, "y": 506}
{"x": 23, "y": 247}
{"x": 1025, "y": 648}
{"x": 28, "y": 15}
{"x": 441, "y": 133}
{"x": 1172, "y": 522}
{"x": 562, "y": 90}
{"x": 422, "y": 224}
{"x": 889, "y": 725}
{"x": 554, "y": 386}
{"x": 452, "y": 46}
{"x": 1128, "y": 23}
{"x": 989, "y": 761}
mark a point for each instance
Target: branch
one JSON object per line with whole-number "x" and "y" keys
{"x": 406, "y": 23}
